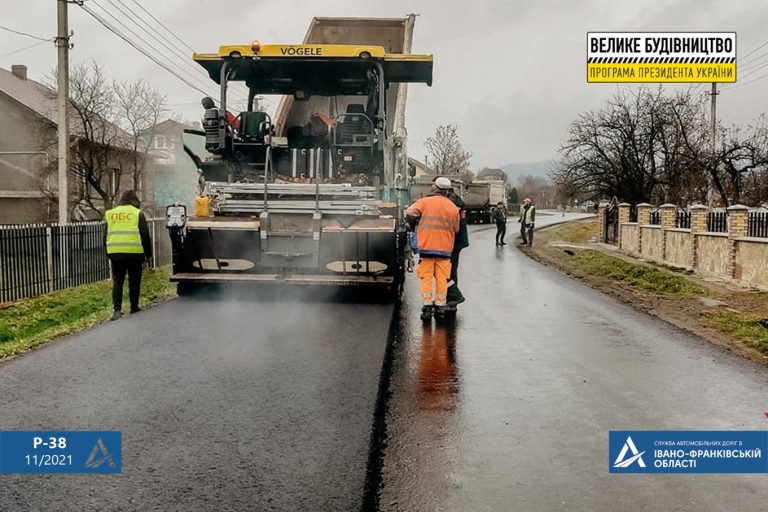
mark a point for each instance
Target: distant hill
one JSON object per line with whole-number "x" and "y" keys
{"x": 542, "y": 169}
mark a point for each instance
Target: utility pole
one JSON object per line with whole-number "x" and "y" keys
{"x": 62, "y": 44}
{"x": 712, "y": 141}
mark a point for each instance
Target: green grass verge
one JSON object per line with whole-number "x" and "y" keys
{"x": 742, "y": 326}
{"x": 30, "y": 322}
{"x": 642, "y": 277}
{"x": 578, "y": 232}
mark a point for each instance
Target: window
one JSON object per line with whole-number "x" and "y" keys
{"x": 160, "y": 142}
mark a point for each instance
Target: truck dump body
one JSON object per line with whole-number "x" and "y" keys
{"x": 314, "y": 194}
{"x": 393, "y": 34}
{"x": 481, "y": 197}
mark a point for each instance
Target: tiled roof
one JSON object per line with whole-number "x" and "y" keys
{"x": 29, "y": 93}
{"x": 42, "y": 100}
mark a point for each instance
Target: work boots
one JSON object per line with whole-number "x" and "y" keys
{"x": 440, "y": 312}
{"x": 426, "y": 313}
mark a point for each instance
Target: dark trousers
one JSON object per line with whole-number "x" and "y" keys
{"x": 453, "y": 291}
{"x": 527, "y": 233}
{"x": 120, "y": 267}
{"x": 501, "y": 232}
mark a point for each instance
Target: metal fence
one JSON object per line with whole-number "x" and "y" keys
{"x": 757, "y": 224}
{"x": 717, "y": 222}
{"x": 655, "y": 217}
{"x": 683, "y": 219}
{"x": 39, "y": 258}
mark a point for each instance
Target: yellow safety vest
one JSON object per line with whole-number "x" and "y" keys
{"x": 525, "y": 215}
{"x": 123, "y": 235}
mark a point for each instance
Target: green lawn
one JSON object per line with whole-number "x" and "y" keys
{"x": 743, "y": 326}
{"x": 30, "y": 322}
{"x": 639, "y": 276}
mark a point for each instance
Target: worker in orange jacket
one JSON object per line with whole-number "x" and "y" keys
{"x": 438, "y": 222}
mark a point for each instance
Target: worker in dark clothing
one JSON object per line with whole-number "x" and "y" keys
{"x": 500, "y": 218}
{"x": 128, "y": 245}
{"x": 460, "y": 242}
{"x": 527, "y": 220}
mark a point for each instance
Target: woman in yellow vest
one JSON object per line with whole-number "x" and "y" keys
{"x": 128, "y": 246}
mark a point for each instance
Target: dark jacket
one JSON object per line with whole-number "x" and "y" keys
{"x": 499, "y": 215}
{"x": 462, "y": 237}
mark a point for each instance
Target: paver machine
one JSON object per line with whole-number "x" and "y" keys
{"x": 314, "y": 195}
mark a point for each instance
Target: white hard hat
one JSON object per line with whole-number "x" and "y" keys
{"x": 443, "y": 183}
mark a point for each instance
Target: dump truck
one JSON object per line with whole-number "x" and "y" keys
{"x": 314, "y": 195}
{"x": 480, "y": 198}
{"x": 421, "y": 186}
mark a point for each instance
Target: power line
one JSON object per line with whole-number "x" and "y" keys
{"x": 166, "y": 42}
{"x": 175, "y": 36}
{"x": 146, "y": 43}
{"x": 736, "y": 86}
{"x": 122, "y": 36}
{"x": 754, "y": 70}
{"x": 199, "y": 80}
{"x": 24, "y": 48}
{"x": 27, "y": 35}
{"x": 162, "y": 25}
{"x": 753, "y": 51}
{"x": 753, "y": 60}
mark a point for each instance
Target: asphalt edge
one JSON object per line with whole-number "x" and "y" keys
{"x": 378, "y": 442}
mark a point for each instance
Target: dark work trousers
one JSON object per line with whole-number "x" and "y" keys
{"x": 121, "y": 265}
{"x": 527, "y": 233}
{"x": 453, "y": 291}
{"x": 501, "y": 232}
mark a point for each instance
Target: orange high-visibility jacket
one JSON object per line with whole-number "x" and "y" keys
{"x": 438, "y": 225}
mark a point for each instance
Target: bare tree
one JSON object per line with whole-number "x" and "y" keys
{"x": 139, "y": 108}
{"x": 650, "y": 147}
{"x": 446, "y": 152}
{"x": 108, "y": 120}
{"x": 640, "y": 147}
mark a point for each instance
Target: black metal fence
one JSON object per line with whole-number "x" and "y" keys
{"x": 655, "y": 217}
{"x": 38, "y": 258}
{"x": 633, "y": 213}
{"x": 757, "y": 224}
{"x": 683, "y": 219}
{"x": 717, "y": 222}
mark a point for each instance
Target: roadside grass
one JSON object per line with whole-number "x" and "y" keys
{"x": 742, "y": 326}
{"x": 579, "y": 232}
{"x": 641, "y": 277}
{"x": 30, "y": 322}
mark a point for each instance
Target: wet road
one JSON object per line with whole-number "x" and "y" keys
{"x": 230, "y": 405}
{"x": 510, "y": 407}
{"x": 222, "y": 406}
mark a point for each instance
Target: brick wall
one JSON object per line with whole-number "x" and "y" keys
{"x": 731, "y": 255}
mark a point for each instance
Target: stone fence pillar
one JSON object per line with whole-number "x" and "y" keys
{"x": 738, "y": 215}
{"x": 698, "y": 225}
{"x": 602, "y": 206}
{"x": 623, "y": 219}
{"x": 644, "y": 213}
{"x": 668, "y": 221}
{"x": 643, "y": 218}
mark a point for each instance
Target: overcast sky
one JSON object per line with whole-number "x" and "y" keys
{"x": 511, "y": 74}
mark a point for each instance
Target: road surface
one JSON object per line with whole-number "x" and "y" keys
{"x": 275, "y": 405}
{"x": 223, "y": 405}
{"x": 510, "y": 408}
